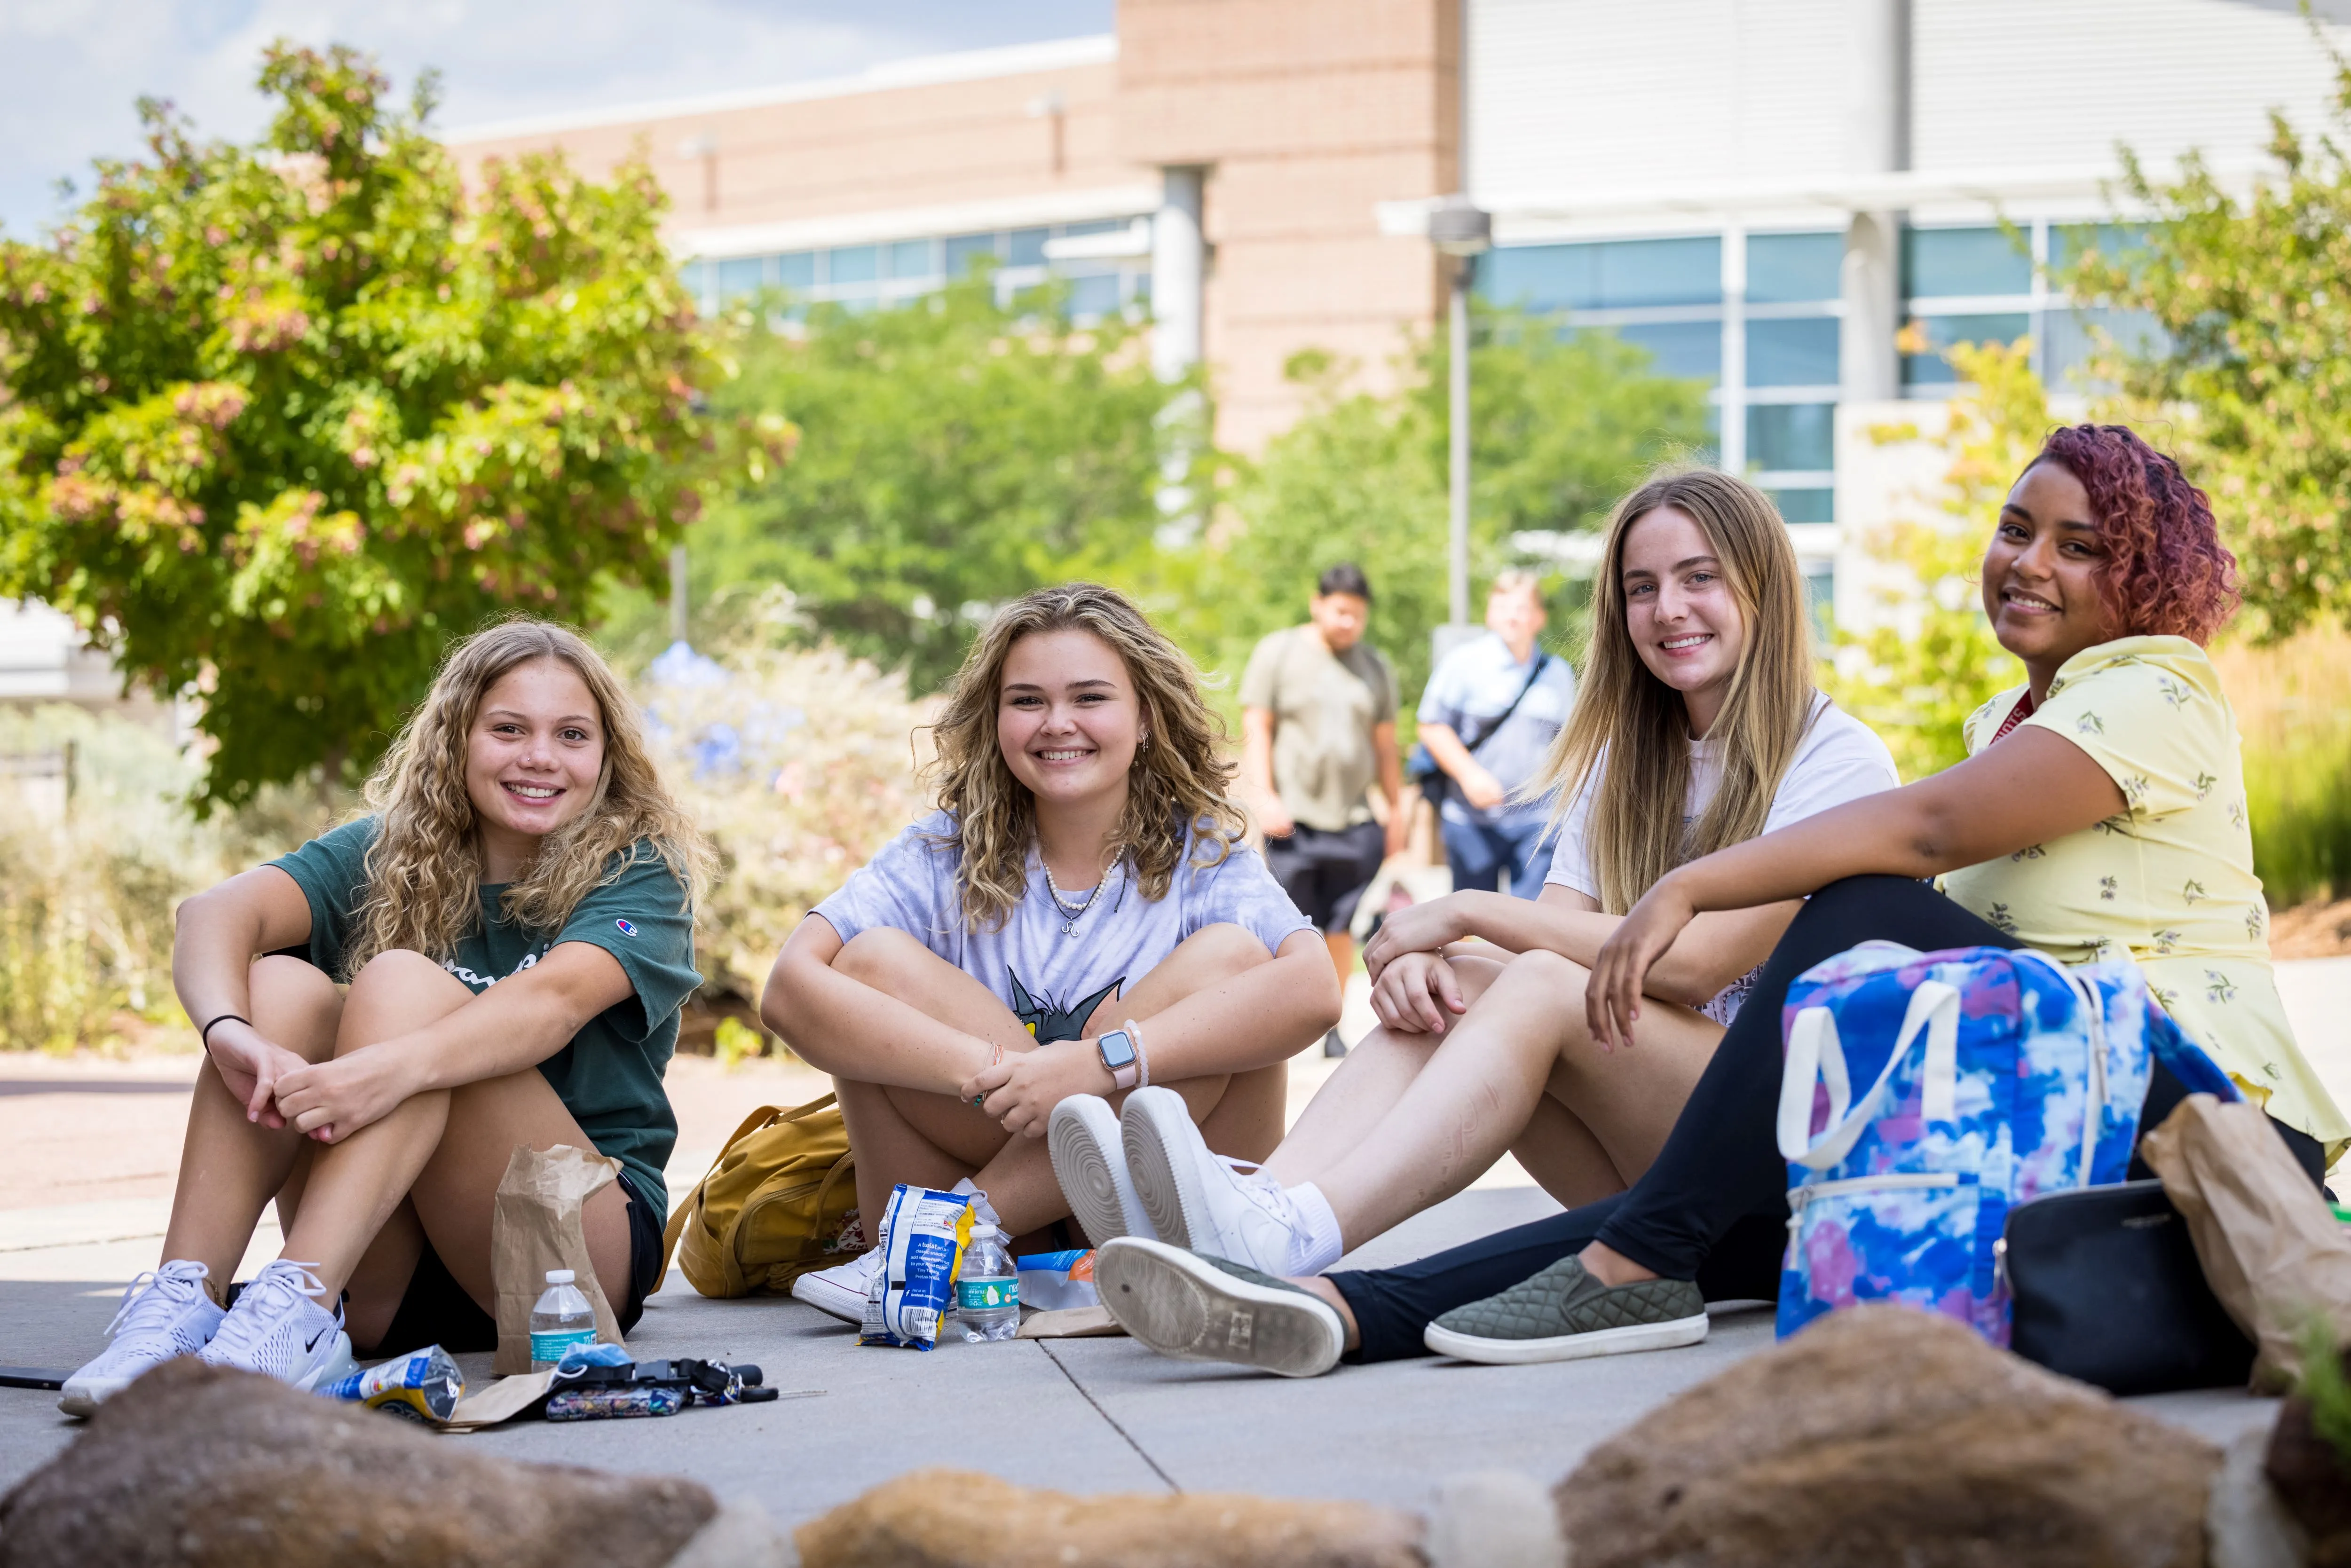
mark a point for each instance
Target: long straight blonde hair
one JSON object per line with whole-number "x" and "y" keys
{"x": 1632, "y": 729}
{"x": 1177, "y": 784}
{"x": 425, "y": 868}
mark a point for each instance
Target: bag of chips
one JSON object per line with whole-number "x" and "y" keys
{"x": 1058, "y": 1282}
{"x": 924, "y": 1233}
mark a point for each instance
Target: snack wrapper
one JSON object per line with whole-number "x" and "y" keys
{"x": 1057, "y": 1281}
{"x": 424, "y": 1386}
{"x": 924, "y": 1233}
{"x": 609, "y": 1404}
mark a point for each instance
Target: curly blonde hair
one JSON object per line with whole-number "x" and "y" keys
{"x": 1177, "y": 785}
{"x": 425, "y": 868}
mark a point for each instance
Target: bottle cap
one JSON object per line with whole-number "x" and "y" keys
{"x": 560, "y": 1276}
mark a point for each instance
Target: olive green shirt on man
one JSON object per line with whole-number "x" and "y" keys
{"x": 1324, "y": 707}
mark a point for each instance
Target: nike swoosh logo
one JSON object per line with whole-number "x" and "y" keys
{"x": 317, "y": 1337}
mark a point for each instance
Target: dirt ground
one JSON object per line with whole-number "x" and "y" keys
{"x": 2319, "y": 930}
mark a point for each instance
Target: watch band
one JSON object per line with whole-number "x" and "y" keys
{"x": 1121, "y": 1075}
{"x": 1142, "y": 1057}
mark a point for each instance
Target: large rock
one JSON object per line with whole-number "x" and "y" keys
{"x": 1889, "y": 1435}
{"x": 196, "y": 1467}
{"x": 954, "y": 1518}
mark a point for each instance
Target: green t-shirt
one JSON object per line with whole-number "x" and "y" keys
{"x": 610, "y": 1076}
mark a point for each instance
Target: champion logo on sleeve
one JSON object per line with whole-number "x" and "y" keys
{"x": 625, "y": 928}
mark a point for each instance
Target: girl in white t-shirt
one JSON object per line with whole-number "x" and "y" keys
{"x": 1695, "y": 725}
{"x": 1079, "y": 916}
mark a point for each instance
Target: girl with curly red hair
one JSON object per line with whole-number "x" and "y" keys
{"x": 2101, "y": 812}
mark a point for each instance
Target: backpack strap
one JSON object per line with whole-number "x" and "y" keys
{"x": 1815, "y": 1054}
{"x": 751, "y": 1123}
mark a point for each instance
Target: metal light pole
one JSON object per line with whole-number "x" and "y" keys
{"x": 1460, "y": 231}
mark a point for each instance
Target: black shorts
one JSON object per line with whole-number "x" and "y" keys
{"x": 1325, "y": 872}
{"x": 437, "y": 1311}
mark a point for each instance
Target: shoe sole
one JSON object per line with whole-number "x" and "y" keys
{"x": 1193, "y": 1311}
{"x": 1167, "y": 1187}
{"x": 1082, "y": 1138}
{"x": 80, "y": 1399}
{"x": 1564, "y": 1347}
{"x": 849, "y": 1309}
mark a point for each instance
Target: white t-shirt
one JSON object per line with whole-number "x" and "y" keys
{"x": 1839, "y": 759}
{"x": 1054, "y": 980}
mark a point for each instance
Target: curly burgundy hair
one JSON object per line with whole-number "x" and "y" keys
{"x": 2165, "y": 573}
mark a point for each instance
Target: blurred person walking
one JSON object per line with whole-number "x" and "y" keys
{"x": 1318, "y": 725}
{"x": 1489, "y": 718}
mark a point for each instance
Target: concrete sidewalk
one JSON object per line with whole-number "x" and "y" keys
{"x": 95, "y": 1149}
{"x": 1088, "y": 1415}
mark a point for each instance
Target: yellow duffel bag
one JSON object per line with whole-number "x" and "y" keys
{"x": 780, "y": 1200}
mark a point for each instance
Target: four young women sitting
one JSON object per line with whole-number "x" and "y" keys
{"x": 1073, "y": 985}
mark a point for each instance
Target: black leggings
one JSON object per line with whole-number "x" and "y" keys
{"x": 1714, "y": 1207}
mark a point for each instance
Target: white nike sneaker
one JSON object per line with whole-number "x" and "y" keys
{"x": 1199, "y": 1201}
{"x": 1090, "y": 1162}
{"x": 277, "y": 1329}
{"x": 165, "y": 1315}
{"x": 841, "y": 1290}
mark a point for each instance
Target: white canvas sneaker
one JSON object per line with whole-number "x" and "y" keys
{"x": 277, "y": 1329}
{"x": 1090, "y": 1162}
{"x": 841, "y": 1290}
{"x": 1199, "y": 1201}
{"x": 165, "y": 1313}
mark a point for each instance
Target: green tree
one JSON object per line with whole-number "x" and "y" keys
{"x": 1561, "y": 425}
{"x": 278, "y": 420}
{"x": 953, "y": 453}
{"x": 2250, "y": 373}
{"x": 1929, "y": 658}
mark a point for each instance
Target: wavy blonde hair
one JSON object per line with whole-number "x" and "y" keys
{"x": 1177, "y": 785}
{"x": 1635, "y": 721}
{"x": 425, "y": 868}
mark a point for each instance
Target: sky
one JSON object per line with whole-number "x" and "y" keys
{"x": 72, "y": 70}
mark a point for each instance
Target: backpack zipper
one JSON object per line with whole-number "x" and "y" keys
{"x": 1890, "y": 1181}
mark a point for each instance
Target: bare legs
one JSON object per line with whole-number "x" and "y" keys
{"x": 902, "y": 1134}
{"x": 361, "y": 1210}
{"x": 1412, "y": 1119}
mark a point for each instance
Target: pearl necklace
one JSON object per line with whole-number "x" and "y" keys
{"x": 1070, "y": 918}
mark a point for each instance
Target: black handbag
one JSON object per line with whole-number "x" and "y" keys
{"x": 2105, "y": 1287}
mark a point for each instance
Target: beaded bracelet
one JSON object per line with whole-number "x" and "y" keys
{"x": 1141, "y": 1060}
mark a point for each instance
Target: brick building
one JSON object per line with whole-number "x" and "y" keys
{"x": 1761, "y": 192}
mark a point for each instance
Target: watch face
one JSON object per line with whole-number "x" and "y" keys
{"x": 1117, "y": 1050}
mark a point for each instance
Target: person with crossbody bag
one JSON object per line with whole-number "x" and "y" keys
{"x": 1494, "y": 835}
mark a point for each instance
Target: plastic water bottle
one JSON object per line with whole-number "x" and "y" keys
{"x": 561, "y": 1320}
{"x": 988, "y": 1290}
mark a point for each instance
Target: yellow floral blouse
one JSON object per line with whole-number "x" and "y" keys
{"x": 2169, "y": 881}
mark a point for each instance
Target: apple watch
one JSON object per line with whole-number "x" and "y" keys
{"x": 1118, "y": 1055}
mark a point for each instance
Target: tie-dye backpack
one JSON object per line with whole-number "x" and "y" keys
{"x": 1992, "y": 1077}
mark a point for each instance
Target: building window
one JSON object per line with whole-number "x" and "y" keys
{"x": 1613, "y": 274}
{"x": 1025, "y": 247}
{"x": 1687, "y": 351}
{"x": 852, "y": 264}
{"x": 965, "y": 250}
{"x": 1790, "y": 269}
{"x": 1932, "y": 368}
{"x": 1963, "y": 263}
{"x": 741, "y": 276}
{"x": 1809, "y": 505}
{"x": 1792, "y": 437}
{"x": 914, "y": 258}
{"x": 1793, "y": 351}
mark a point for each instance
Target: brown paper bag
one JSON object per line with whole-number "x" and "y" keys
{"x": 2272, "y": 1249}
{"x": 534, "y": 1226}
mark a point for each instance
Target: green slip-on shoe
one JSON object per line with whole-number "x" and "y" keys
{"x": 1197, "y": 1308}
{"x": 1562, "y": 1313}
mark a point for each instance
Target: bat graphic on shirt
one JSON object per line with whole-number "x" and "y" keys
{"x": 1047, "y": 1020}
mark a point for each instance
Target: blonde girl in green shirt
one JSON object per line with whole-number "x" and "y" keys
{"x": 514, "y": 919}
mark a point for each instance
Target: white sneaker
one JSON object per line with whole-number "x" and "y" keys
{"x": 1208, "y": 1309}
{"x": 275, "y": 1328}
{"x": 1090, "y": 1162}
{"x": 841, "y": 1290}
{"x": 165, "y": 1313}
{"x": 1199, "y": 1201}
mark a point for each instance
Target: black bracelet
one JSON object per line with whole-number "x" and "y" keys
{"x": 205, "y": 1035}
